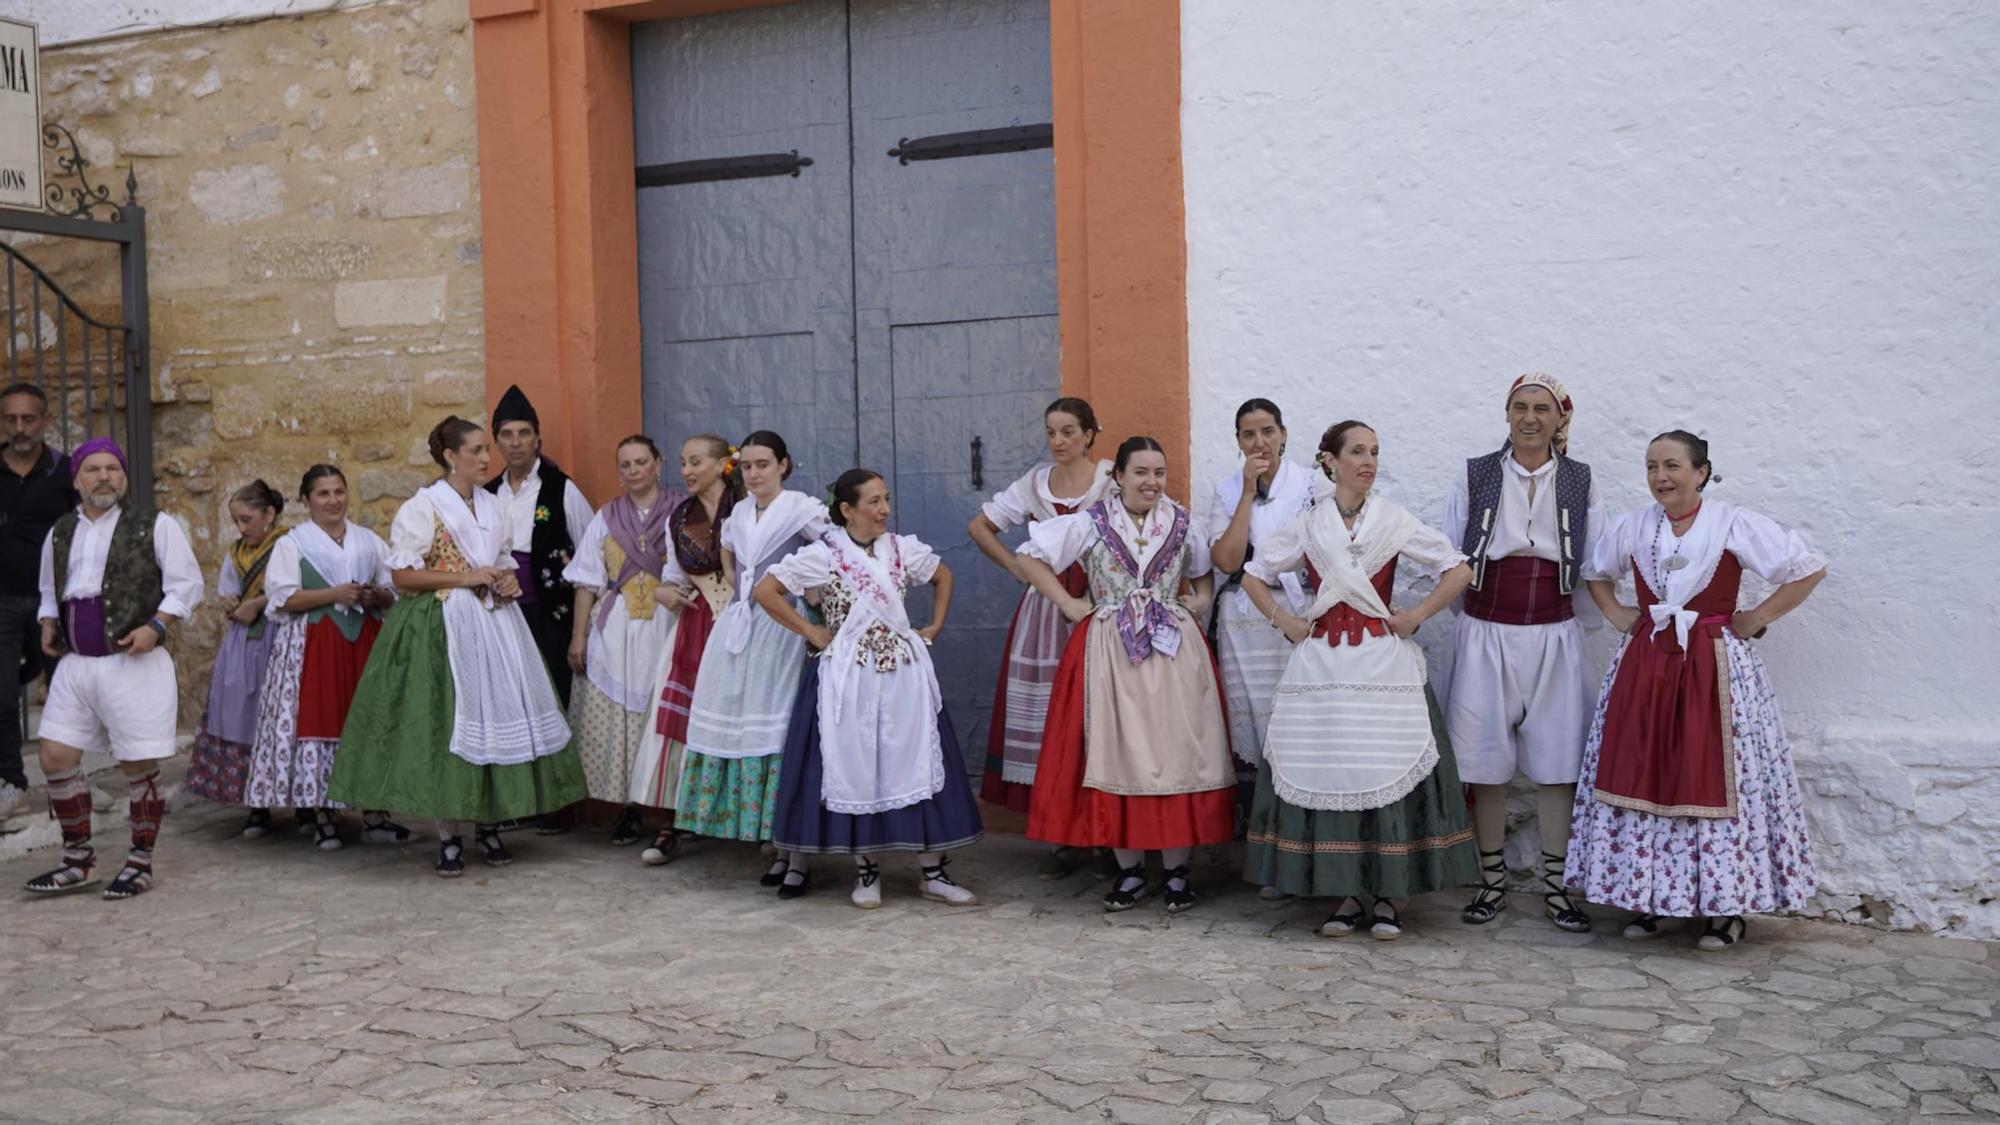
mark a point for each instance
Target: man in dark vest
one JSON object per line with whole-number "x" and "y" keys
{"x": 34, "y": 492}
{"x": 545, "y": 515}
{"x": 112, "y": 579}
{"x": 1520, "y": 696}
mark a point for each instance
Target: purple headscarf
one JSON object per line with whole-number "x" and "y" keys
{"x": 83, "y": 452}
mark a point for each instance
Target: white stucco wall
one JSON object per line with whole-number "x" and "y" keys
{"x": 82, "y": 21}
{"x": 1773, "y": 224}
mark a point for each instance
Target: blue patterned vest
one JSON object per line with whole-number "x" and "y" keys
{"x": 1483, "y": 478}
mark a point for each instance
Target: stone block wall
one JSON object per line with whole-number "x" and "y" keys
{"x": 311, "y": 187}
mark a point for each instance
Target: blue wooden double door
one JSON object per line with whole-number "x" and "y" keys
{"x": 847, "y": 235}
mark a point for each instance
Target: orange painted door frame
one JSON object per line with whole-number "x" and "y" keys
{"x": 561, "y": 239}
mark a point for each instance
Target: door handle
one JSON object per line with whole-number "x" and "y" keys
{"x": 978, "y": 462}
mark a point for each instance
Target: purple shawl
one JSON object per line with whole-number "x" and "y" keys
{"x": 1144, "y": 625}
{"x": 644, "y": 544}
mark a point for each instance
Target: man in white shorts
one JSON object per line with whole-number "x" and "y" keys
{"x": 112, "y": 580}
{"x": 1520, "y": 697}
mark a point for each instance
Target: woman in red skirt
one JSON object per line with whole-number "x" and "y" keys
{"x": 1146, "y": 764}
{"x": 692, "y": 587}
{"x": 1066, "y": 482}
{"x": 328, "y": 585}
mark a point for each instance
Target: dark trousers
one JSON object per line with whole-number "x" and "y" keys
{"x": 20, "y": 661}
{"x": 552, "y": 640}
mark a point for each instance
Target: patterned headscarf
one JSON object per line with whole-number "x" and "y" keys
{"x": 1564, "y": 406}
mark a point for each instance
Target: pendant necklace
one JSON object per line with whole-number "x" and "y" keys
{"x": 1353, "y": 544}
{"x": 1676, "y": 561}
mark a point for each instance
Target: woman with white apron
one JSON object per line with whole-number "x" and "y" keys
{"x": 1358, "y": 793}
{"x": 619, "y": 630}
{"x": 872, "y": 764}
{"x": 749, "y": 678}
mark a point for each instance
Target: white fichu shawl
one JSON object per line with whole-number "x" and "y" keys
{"x": 863, "y": 772}
{"x": 1702, "y": 547}
{"x": 754, "y": 536}
{"x": 356, "y": 558}
{"x": 1350, "y": 729}
{"x": 505, "y": 710}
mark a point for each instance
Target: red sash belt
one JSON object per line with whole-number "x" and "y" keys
{"x": 1344, "y": 623}
{"x": 1520, "y": 590}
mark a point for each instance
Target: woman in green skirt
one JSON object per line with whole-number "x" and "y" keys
{"x": 455, "y": 717}
{"x": 1357, "y": 794}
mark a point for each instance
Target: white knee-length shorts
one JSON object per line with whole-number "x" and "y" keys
{"x": 129, "y": 705}
{"x": 1519, "y": 701}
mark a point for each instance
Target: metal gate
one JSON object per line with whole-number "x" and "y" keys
{"x": 847, "y": 235}
{"x": 92, "y": 363}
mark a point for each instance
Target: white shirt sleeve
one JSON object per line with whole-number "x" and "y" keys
{"x": 1221, "y": 507}
{"x": 1013, "y": 505}
{"x": 411, "y": 533}
{"x": 807, "y": 568}
{"x": 1198, "y": 560}
{"x": 283, "y": 576}
{"x": 919, "y": 561}
{"x": 1283, "y": 552}
{"x": 1773, "y": 552}
{"x": 1610, "y": 555}
{"x": 1458, "y": 501}
{"x": 180, "y": 572}
{"x": 229, "y": 584}
{"x": 586, "y": 566}
{"x": 1430, "y": 552}
{"x": 47, "y": 610}
{"x": 576, "y": 509}
{"x": 1059, "y": 541}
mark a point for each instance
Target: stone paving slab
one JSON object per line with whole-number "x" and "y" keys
{"x": 265, "y": 981}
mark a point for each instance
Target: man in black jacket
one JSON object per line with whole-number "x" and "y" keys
{"x": 34, "y": 490}
{"x": 546, "y": 513}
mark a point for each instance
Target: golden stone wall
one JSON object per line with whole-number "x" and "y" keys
{"x": 311, "y": 188}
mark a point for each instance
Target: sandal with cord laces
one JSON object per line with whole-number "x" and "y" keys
{"x": 326, "y": 833}
{"x": 73, "y": 875}
{"x": 451, "y": 857}
{"x": 1341, "y": 922}
{"x": 867, "y": 892}
{"x": 1385, "y": 927}
{"x": 495, "y": 848}
{"x": 258, "y": 825}
{"x": 940, "y": 887}
{"x": 1491, "y": 898}
{"x": 1181, "y": 898}
{"x": 1123, "y": 897}
{"x": 1556, "y": 903}
{"x": 1721, "y": 933}
{"x": 1645, "y": 927}
{"x": 131, "y": 882}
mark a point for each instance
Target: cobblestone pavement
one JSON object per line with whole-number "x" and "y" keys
{"x": 266, "y": 981}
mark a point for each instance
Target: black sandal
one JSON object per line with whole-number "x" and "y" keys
{"x": 663, "y": 849}
{"x": 74, "y": 875}
{"x": 775, "y": 875}
{"x": 1341, "y": 923}
{"x": 451, "y": 857}
{"x": 1387, "y": 928}
{"x": 326, "y": 832}
{"x": 1491, "y": 897}
{"x": 132, "y": 882}
{"x": 629, "y": 829}
{"x": 1721, "y": 933}
{"x": 790, "y": 887}
{"x": 1556, "y": 903}
{"x": 1182, "y": 899}
{"x": 258, "y": 825}
{"x": 1122, "y": 899}
{"x": 495, "y": 848}
{"x": 1645, "y": 927}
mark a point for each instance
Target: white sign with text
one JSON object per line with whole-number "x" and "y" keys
{"x": 20, "y": 116}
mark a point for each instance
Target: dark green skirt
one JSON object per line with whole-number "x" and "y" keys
{"x": 1419, "y": 844}
{"x": 395, "y": 751}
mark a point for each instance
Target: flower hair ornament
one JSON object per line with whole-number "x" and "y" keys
{"x": 729, "y": 461}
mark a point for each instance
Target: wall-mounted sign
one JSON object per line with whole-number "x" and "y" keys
{"x": 20, "y": 115}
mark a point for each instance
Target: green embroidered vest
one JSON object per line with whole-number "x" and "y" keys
{"x": 133, "y": 586}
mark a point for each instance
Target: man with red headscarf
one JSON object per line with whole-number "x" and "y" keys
{"x": 1520, "y": 696}
{"x": 112, "y": 580}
